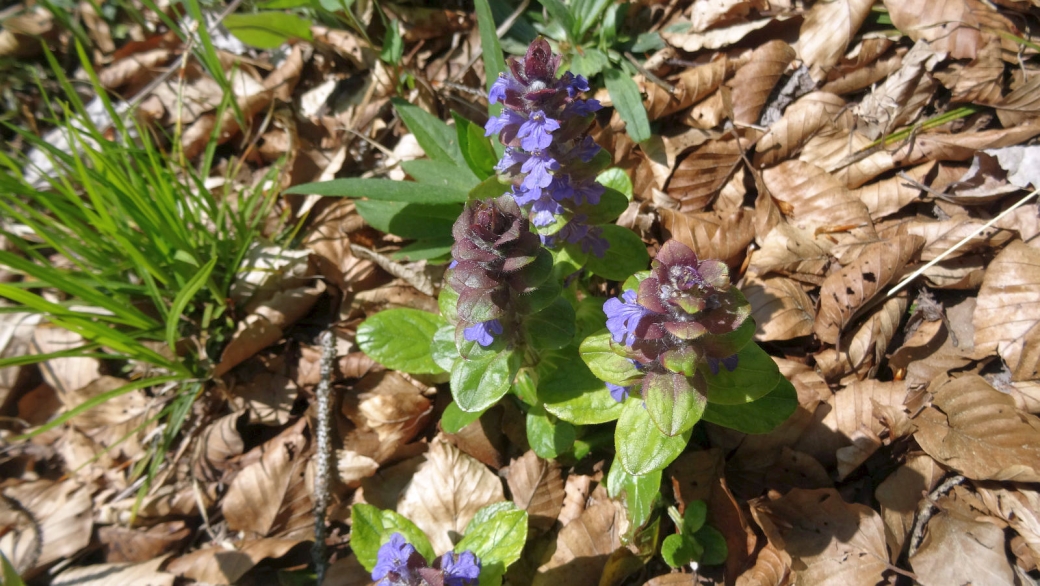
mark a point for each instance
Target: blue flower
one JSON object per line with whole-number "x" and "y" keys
{"x": 539, "y": 168}
{"x": 574, "y": 83}
{"x": 392, "y": 558}
{"x": 536, "y": 133}
{"x": 463, "y": 570}
{"x": 498, "y": 89}
{"x": 511, "y": 159}
{"x": 586, "y": 149}
{"x": 582, "y": 107}
{"x": 484, "y": 332}
{"x": 624, "y": 316}
{"x": 496, "y": 124}
{"x": 730, "y": 362}
{"x": 544, "y": 211}
{"x": 618, "y": 392}
{"x": 589, "y": 191}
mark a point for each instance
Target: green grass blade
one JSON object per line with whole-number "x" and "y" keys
{"x": 184, "y": 298}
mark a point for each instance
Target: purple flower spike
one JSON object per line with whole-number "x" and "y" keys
{"x": 539, "y": 168}
{"x": 496, "y": 124}
{"x": 484, "y": 332}
{"x": 460, "y": 570}
{"x": 624, "y": 316}
{"x": 392, "y": 558}
{"x": 618, "y": 392}
{"x": 503, "y": 84}
{"x": 536, "y": 133}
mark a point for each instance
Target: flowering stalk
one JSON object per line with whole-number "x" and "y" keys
{"x": 399, "y": 564}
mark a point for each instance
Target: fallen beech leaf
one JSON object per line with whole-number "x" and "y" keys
{"x": 256, "y": 494}
{"x": 826, "y": 32}
{"x": 347, "y": 571}
{"x": 959, "y": 548}
{"x": 976, "y": 430}
{"x": 863, "y": 349}
{"x": 838, "y": 543}
{"x": 1007, "y": 317}
{"x": 754, "y": 81}
{"x": 868, "y": 63}
{"x": 780, "y": 307}
{"x": 952, "y": 26}
{"x": 941, "y": 235}
{"x": 389, "y": 410}
{"x": 673, "y": 580}
{"x": 793, "y": 252}
{"x": 1019, "y": 509}
{"x": 445, "y": 493}
{"x": 216, "y": 446}
{"x": 64, "y": 375}
{"x": 941, "y": 146}
{"x": 63, "y": 512}
{"x": 900, "y": 495}
{"x": 219, "y": 565}
{"x": 140, "y": 574}
{"x": 818, "y": 201}
{"x": 888, "y": 196}
{"x": 846, "y": 293}
{"x": 800, "y": 121}
{"x": 896, "y": 101}
{"x": 1022, "y": 164}
{"x": 582, "y": 547}
{"x": 843, "y": 153}
{"x": 269, "y": 398}
{"x": 692, "y": 85}
{"x": 705, "y": 15}
{"x": 352, "y": 467}
{"x": 772, "y": 568}
{"x": 980, "y": 80}
{"x": 692, "y": 41}
{"x": 698, "y": 177}
{"x": 537, "y": 487}
{"x": 719, "y": 235}
{"x": 138, "y": 545}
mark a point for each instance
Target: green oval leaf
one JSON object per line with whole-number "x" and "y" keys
{"x": 640, "y": 446}
{"x": 548, "y": 438}
{"x": 572, "y": 393}
{"x": 761, "y": 416}
{"x": 386, "y": 190}
{"x": 480, "y": 381}
{"x": 400, "y": 339}
{"x": 267, "y": 30}
{"x": 628, "y": 102}
{"x": 454, "y": 419}
{"x": 626, "y": 255}
{"x": 443, "y": 349}
{"x": 552, "y": 327}
{"x": 755, "y": 376}
{"x": 496, "y": 535}
{"x": 597, "y": 352}
{"x": 639, "y": 492}
{"x": 674, "y": 405}
{"x": 372, "y": 527}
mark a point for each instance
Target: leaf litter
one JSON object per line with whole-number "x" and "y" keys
{"x": 824, "y": 150}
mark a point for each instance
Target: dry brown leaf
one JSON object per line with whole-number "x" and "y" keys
{"x": 256, "y": 494}
{"x": 216, "y": 446}
{"x": 976, "y": 430}
{"x": 754, "y": 81}
{"x": 862, "y": 350}
{"x": 140, "y": 574}
{"x": 952, "y": 26}
{"x": 694, "y": 474}
{"x": 582, "y": 547}
{"x": 817, "y": 200}
{"x": 692, "y": 85}
{"x": 63, "y": 511}
{"x": 445, "y": 493}
{"x": 692, "y": 41}
{"x": 826, "y": 32}
{"x": 780, "y": 307}
{"x": 706, "y": 13}
{"x": 710, "y": 112}
{"x": 388, "y": 410}
{"x": 1021, "y": 105}
{"x": 1020, "y": 509}
{"x": 844, "y": 153}
{"x": 960, "y": 548}
{"x": 135, "y": 545}
{"x": 921, "y": 343}
{"x": 900, "y": 495}
{"x": 846, "y": 293}
{"x": 868, "y": 63}
{"x": 699, "y": 176}
{"x": 800, "y": 121}
{"x": 888, "y": 196}
{"x": 935, "y": 146}
{"x": 723, "y": 236}
{"x": 537, "y": 487}
{"x": 1007, "y": 317}
{"x": 980, "y": 80}
{"x": 347, "y": 571}
{"x": 793, "y": 252}
{"x": 219, "y": 565}
{"x": 838, "y": 543}
{"x": 772, "y": 568}
{"x": 900, "y": 98}
{"x": 136, "y": 69}
{"x": 672, "y": 580}
{"x": 64, "y": 374}
{"x": 941, "y": 235}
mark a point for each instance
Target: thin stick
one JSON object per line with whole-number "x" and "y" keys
{"x": 963, "y": 241}
{"x": 322, "y": 452}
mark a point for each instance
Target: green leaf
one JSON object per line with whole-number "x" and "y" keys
{"x": 490, "y": 48}
{"x": 572, "y": 393}
{"x": 384, "y": 190}
{"x": 454, "y": 419}
{"x": 184, "y": 298}
{"x": 611, "y": 205}
{"x": 552, "y": 327}
{"x": 694, "y": 516}
{"x": 597, "y": 352}
{"x": 410, "y": 220}
{"x": 560, "y": 14}
{"x": 714, "y": 545}
{"x": 589, "y": 12}
{"x": 639, "y": 492}
{"x": 547, "y": 437}
{"x": 489, "y": 188}
{"x": 640, "y": 446}
{"x": 400, "y": 339}
{"x": 589, "y": 317}
{"x": 617, "y": 180}
{"x": 647, "y": 42}
{"x": 438, "y": 140}
{"x": 372, "y": 527}
{"x": 761, "y": 416}
{"x": 588, "y": 62}
{"x": 626, "y": 255}
{"x": 476, "y": 148}
{"x": 496, "y": 535}
{"x": 679, "y": 550}
{"x": 478, "y": 382}
{"x": 393, "y": 44}
{"x": 267, "y": 30}
{"x": 674, "y": 405}
{"x": 11, "y": 577}
{"x": 443, "y": 349}
{"x": 628, "y": 102}
{"x": 438, "y": 174}
{"x": 431, "y": 249}
{"x": 755, "y": 376}
{"x": 448, "y": 301}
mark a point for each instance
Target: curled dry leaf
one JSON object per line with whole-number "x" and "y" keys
{"x": 582, "y": 547}
{"x": 754, "y": 81}
{"x": 692, "y": 41}
{"x": 961, "y": 548}
{"x": 135, "y": 545}
{"x": 268, "y": 397}
{"x": 388, "y": 411}
{"x": 256, "y": 494}
{"x": 940, "y": 146}
{"x": 800, "y": 121}
{"x": 772, "y": 568}
{"x": 708, "y": 13}
{"x": 976, "y": 430}
{"x": 445, "y": 493}
{"x": 781, "y": 308}
{"x": 1007, "y": 317}
{"x": 817, "y": 200}
{"x": 353, "y": 467}
{"x": 868, "y": 63}
{"x": 1018, "y": 508}
{"x": 793, "y": 252}
{"x": 216, "y": 446}
{"x": 64, "y": 375}
{"x": 219, "y": 565}
{"x": 849, "y": 156}
{"x": 900, "y": 496}
{"x": 698, "y": 178}
{"x": 888, "y": 196}
{"x": 1021, "y": 105}
{"x": 60, "y": 526}
{"x": 141, "y": 574}
{"x": 840, "y": 544}
{"x": 691, "y": 86}
{"x": 826, "y": 32}
{"x": 952, "y": 26}
{"x": 980, "y": 80}
{"x": 899, "y": 98}
{"x": 724, "y": 236}
{"x": 537, "y": 487}
{"x": 846, "y": 293}
{"x": 862, "y": 350}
